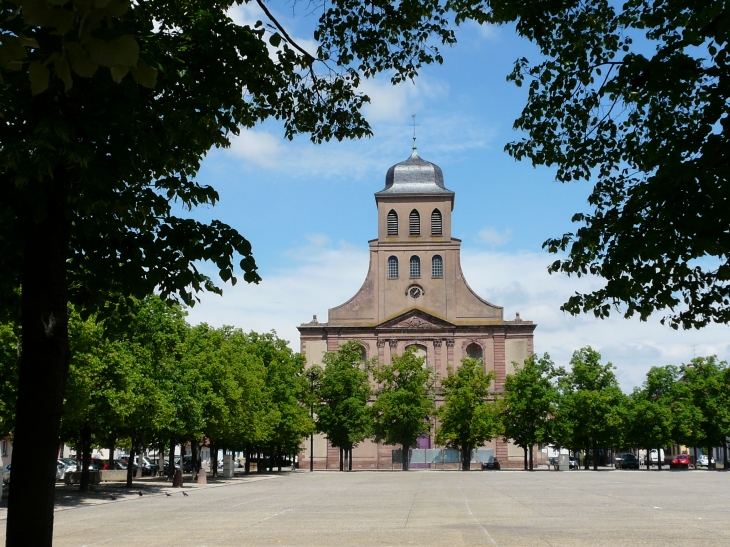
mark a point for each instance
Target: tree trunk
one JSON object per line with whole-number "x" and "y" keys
{"x": 194, "y": 458}
{"x": 111, "y": 454}
{"x": 171, "y": 460}
{"x": 531, "y": 464}
{"x": 595, "y": 458}
{"x": 524, "y": 449}
{"x": 86, "y": 448}
{"x": 465, "y": 457}
{"x": 585, "y": 463}
{"x": 404, "y": 458}
{"x": 278, "y": 460}
{"x": 709, "y": 458}
{"x": 724, "y": 455}
{"x": 130, "y": 466}
{"x": 341, "y": 461}
{"x": 247, "y": 463}
{"x": 214, "y": 457}
{"x": 43, "y": 370}
{"x": 349, "y": 460}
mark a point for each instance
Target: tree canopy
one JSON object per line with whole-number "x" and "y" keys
{"x": 631, "y": 96}
{"x": 591, "y": 410}
{"x": 529, "y": 403}
{"x": 405, "y": 401}
{"x": 343, "y": 394}
{"x": 469, "y": 416}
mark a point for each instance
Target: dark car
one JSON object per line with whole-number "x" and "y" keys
{"x": 187, "y": 463}
{"x": 681, "y": 462}
{"x": 492, "y": 464}
{"x": 627, "y": 461}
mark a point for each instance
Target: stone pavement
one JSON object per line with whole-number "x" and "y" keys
{"x": 420, "y": 508}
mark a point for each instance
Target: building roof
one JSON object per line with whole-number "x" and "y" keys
{"x": 414, "y": 176}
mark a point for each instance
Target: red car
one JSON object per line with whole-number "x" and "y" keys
{"x": 681, "y": 462}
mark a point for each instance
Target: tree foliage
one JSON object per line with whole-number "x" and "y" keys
{"x": 630, "y": 95}
{"x": 342, "y": 411}
{"x": 405, "y": 401}
{"x": 469, "y": 416}
{"x": 529, "y": 403}
{"x": 591, "y": 409}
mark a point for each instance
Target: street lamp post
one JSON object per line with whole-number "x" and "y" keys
{"x": 312, "y": 375}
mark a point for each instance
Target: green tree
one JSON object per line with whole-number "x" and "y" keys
{"x": 107, "y": 109}
{"x": 344, "y": 392}
{"x": 529, "y": 403}
{"x": 404, "y": 403}
{"x": 591, "y": 407}
{"x": 629, "y": 95}
{"x": 706, "y": 390}
{"x": 9, "y": 357}
{"x": 286, "y": 389}
{"x": 469, "y": 416}
{"x": 656, "y": 417}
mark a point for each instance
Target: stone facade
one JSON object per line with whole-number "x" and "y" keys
{"x": 415, "y": 293}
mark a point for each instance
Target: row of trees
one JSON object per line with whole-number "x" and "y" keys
{"x": 581, "y": 409}
{"x": 151, "y": 380}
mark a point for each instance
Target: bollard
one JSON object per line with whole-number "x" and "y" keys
{"x": 201, "y": 476}
{"x": 177, "y": 480}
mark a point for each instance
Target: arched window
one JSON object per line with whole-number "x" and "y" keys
{"x": 392, "y": 223}
{"x": 392, "y": 267}
{"x": 474, "y": 351}
{"x": 420, "y": 350}
{"x": 363, "y": 356}
{"x": 436, "y": 229}
{"x": 437, "y": 266}
{"x": 414, "y": 223}
{"x": 415, "y": 266}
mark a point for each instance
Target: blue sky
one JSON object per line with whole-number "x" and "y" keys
{"x": 309, "y": 210}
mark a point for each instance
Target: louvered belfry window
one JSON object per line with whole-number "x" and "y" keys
{"x": 414, "y": 223}
{"x": 392, "y": 223}
{"x": 436, "y": 223}
{"x": 392, "y": 268}
{"x": 437, "y": 266}
{"x": 415, "y": 266}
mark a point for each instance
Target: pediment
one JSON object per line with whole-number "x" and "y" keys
{"x": 415, "y": 319}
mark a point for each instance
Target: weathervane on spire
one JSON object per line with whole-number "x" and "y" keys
{"x": 414, "y": 131}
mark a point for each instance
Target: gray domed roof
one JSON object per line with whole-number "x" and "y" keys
{"x": 414, "y": 176}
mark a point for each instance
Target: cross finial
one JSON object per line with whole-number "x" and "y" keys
{"x": 414, "y": 131}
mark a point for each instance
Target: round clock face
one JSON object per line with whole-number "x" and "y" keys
{"x": 415, "y": 292}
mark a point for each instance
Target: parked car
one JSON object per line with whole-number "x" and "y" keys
{"x": 120, "y": 464}
{"x": 573, "y": 464}
{"x": 681, "y": 462}
{"x": 704, "y": 461}
{"x": 99, "y": 465}
{"x": 166, "y": 466}
{"x": 187, "y": 463}
{"x": 627, "y": 461}
{"x": 492, "y": 464}
{"x": 63, "y": 466}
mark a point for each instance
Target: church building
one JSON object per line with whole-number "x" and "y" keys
{"x": 415, "y": 294}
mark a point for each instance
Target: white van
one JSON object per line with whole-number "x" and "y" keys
{"x": 653, "y": 457}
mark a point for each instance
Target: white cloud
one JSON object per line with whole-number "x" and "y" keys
{"x": 440, "y": 139}
{"x": 493, "y": 237}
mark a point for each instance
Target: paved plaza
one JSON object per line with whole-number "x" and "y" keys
{"x": 426, "y": 508}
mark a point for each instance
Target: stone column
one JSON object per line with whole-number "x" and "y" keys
{"x": 450, "y": 353}
{"x": 437, "y": 356}
{"x": 500, "y": 370}
{"x": 381, "y": 351}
